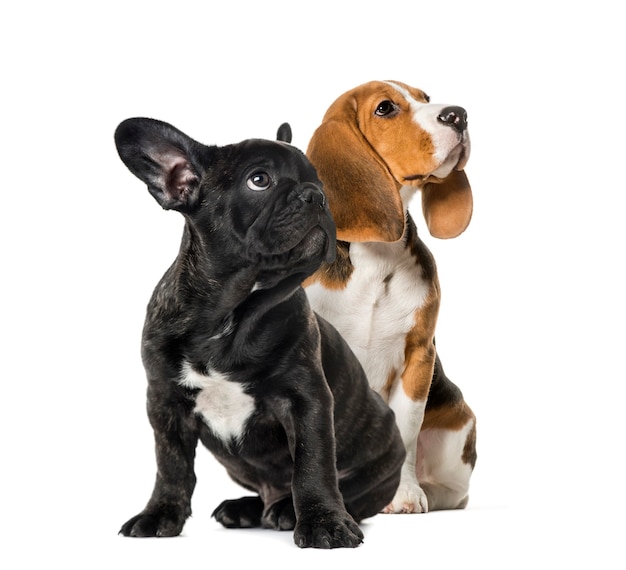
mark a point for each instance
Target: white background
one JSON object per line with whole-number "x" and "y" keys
{"x": 532, "y": 322}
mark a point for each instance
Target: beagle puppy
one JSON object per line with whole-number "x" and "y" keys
{"x": 377, "y": 145}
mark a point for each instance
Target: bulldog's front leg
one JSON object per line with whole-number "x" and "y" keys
{"x": 322, "y": 520}
{"x": 176, "y": 441}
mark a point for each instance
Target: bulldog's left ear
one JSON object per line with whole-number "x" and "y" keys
{"x": 166, "y": 159}
{"x": 448, "y": 205}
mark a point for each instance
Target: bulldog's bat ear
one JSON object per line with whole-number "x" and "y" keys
{"x": 284, "y": 133}
{"x": 163, "y": 157}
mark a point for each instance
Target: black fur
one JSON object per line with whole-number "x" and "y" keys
{"x": 321, "y": 450}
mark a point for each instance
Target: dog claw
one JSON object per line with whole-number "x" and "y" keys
{"x": 240, "y": 513}
{"x": 152, "y": 525}
{"x": 337, "y": 534}
{"x": 280, "y": 515}
{"x": 408, "y": 500}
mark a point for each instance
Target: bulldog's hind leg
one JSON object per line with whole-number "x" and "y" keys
{"x": 240, "y": 513}
{"x": 250, "y": 512}
{"x": 368, "y": 490}
{"x": 363, "y": 503}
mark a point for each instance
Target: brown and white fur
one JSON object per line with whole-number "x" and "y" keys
{"x": 377, "y": 145}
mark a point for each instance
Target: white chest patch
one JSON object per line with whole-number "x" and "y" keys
{"x": 377, "y": 308}
{"x": 224, "y": 405}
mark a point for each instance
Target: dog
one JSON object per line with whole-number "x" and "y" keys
{"x": 377, "y": 145}
{"x": 236, "y": 359}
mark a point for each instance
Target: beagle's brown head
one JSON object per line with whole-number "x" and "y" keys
{"x": 381, "y": 137}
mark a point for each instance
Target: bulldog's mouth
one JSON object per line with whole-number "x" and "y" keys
{"x": 313, "y": 245}
{"x": 317, "y": 246}
{"x": 315, "y": 242}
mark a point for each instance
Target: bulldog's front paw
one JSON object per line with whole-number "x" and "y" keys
{"x": 409, "y": 498}
{"x": 331, "y": 531}
{"x": 165, "y": 522}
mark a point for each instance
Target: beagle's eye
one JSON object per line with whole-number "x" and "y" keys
{"x": 386, "y": 108}
{"x": 259, "y": 181}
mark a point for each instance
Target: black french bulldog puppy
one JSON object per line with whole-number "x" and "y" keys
{"x": 236, "y": 358}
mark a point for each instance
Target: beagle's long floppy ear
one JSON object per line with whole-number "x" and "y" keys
{"x": 448, "y": 205}
{"x": 362, "y": 195}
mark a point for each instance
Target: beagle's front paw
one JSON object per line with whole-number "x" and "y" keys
{"x": 409, "y": 498}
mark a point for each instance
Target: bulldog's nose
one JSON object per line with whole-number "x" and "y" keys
{"x": 312, "y": 195}
{"x": 455, "y": 117}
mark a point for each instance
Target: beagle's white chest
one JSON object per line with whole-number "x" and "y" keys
{"x": 377, "y": 308}
{"x": 224, "y": 405}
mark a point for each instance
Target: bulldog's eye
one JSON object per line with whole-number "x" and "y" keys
{"x": 386, "y": 108}
{"x": 259, "y": 181}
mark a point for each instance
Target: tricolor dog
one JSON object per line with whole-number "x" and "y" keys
{"x": 236, "y": 358}
{"x": 377, "y": 145}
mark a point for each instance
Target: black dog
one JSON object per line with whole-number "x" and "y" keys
{"x": 236, "y": 358}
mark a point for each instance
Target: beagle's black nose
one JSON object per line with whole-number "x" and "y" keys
{"x": 455, "y": 117}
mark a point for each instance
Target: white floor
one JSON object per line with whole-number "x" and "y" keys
{"x": 496, "y": 531}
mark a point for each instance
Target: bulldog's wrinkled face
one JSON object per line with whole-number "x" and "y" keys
{"x": 256, "y": 205}
{"x": 265, "y": 196}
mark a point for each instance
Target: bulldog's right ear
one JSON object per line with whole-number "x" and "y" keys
{"x": 284, "y": 133}
{"x": 163, "y": 157}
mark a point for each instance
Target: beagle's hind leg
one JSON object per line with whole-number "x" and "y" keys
{"x": 446, "y": 456}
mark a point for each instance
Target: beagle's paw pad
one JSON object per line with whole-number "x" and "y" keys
{"x": 408, "y": 499}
